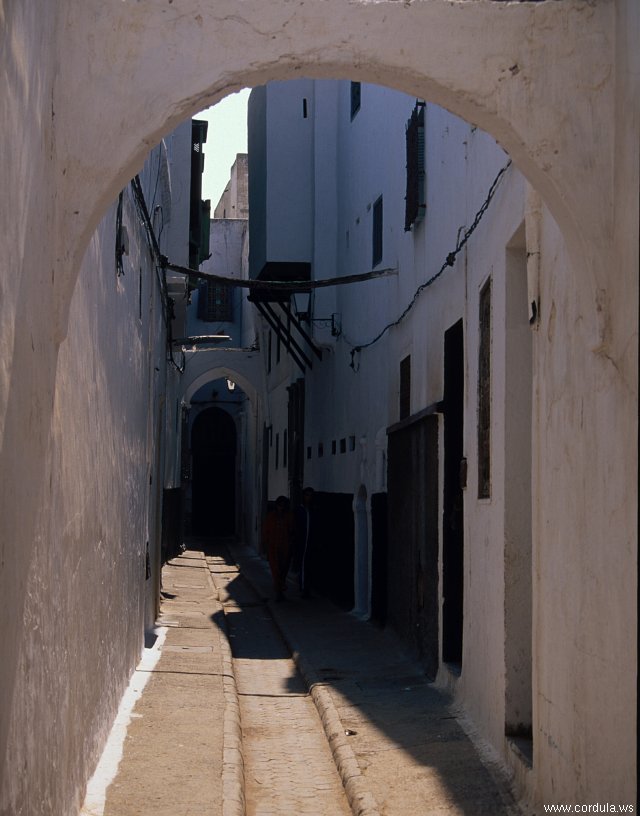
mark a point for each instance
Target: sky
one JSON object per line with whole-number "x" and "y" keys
{"x": 226, "y": 136}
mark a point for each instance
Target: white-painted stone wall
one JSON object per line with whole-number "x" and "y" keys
{"x": 508, "y": 592}
{"x": 89, "y": 87}
{"x": 88, "y": 596}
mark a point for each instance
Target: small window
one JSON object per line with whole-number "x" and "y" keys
{"x": 484, "y": 394}
{"x": 320, "y": 450}
{"x": 343, "y": 446}
{"x": 309, "y": 451}
{"x": 377, "y": 232}
{"x": 405, "y": 387}
{"x": 285, "y": 451}
{"x": 214, "y": 302}
{"x": 305, "y": 109}
{"x": 277, "y": 451}
{"x": 334, "y": 447}
{"x": 356, "y": 95}
{"x": 415, "y": 200}
{"x": 352, "y": 443}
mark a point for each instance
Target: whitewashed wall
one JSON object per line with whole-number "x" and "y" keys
{"x": 88, "y": 88}
{"x": 367, "y": 160}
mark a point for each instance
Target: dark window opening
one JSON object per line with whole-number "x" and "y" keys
{"x": 305, "y": 111}
{"x": 343, "y": 446}
{"x": 484, "y": 394}
{"x": 377, "y": 232}
{"x": 320, "y": 450}
{"x": 308, "y": 451}
{"x": 453, "y": 499}
{"x": 334, "y": 447}
{"x": 199, "y": 210}
{"x": 405, "y": 387}
{"x": 356, "y": 96}
{"x": 284, "y": 448}
{"x": 277, "y": 451}
{"x": 415, "y": 200}
{"x": 352, "y": 443}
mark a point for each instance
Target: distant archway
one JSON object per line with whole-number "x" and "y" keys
{"x": 184, "y": 60}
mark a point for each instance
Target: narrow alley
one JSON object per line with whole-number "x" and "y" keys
{"x": 342, "y": 288}
{"x": 323, "y": 713}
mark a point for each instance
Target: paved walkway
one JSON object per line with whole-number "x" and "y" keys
{"x": 171, "y": 741}
{"x": 394, "y": 741}
{"x": 288, "y": 765}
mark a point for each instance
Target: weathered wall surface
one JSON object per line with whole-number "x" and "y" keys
{"x": 555, "y": 83}
{"x": 528, "y": 561}
{"x": 86, "y": 587}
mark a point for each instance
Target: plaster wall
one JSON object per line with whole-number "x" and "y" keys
{"x": 555, "y": 83}
{"x": 87, "y": 594}
{"x": 226, "y": 244}
{"x": 462, "y": 163}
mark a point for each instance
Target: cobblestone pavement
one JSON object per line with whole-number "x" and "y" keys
{"x": 288, "y": 765}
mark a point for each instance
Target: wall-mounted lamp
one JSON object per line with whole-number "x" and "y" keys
{"x": 301, "y": 302}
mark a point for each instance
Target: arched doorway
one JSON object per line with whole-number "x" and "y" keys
{"x": 213, "y": 449}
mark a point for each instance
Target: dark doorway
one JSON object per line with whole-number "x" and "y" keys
{"x": 379, "y": 567}
{"x": 412, "y": 559}
{"x": 332, "y": 562}
{"x": 452, "y": 527}
{"x": 295, "y": 440}
{"x": 213, "y": 450}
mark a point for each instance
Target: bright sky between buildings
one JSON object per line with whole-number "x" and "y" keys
{"x": 227, "y": 136}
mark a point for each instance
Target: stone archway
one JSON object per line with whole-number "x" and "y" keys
{"x": 555, "y": 83}
{"x": 477, "y": 59}
{"x": 245, "y": 372}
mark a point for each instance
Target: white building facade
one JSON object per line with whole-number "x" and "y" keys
{"x": 88, "y": 89}
{"x": 425, "y": 431}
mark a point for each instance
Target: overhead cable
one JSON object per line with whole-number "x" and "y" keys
{"x": 449, "y": 261}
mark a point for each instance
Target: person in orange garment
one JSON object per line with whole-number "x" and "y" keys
{"x": 277, "y": 540}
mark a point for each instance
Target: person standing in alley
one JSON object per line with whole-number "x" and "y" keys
{"x": 277, "y": 540}
{"x": 303, "y": 531}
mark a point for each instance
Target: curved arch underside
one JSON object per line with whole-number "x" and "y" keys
{"x": 532, "y": 75}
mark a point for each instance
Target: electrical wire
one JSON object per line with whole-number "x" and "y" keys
{"x": 160, "y": 270}
{"x": 449, "y": 261}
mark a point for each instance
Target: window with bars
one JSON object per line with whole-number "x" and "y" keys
{"x": 415, "y": 199}
{"x": 484, "y": 394}
{"x": 215, "y": 302}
